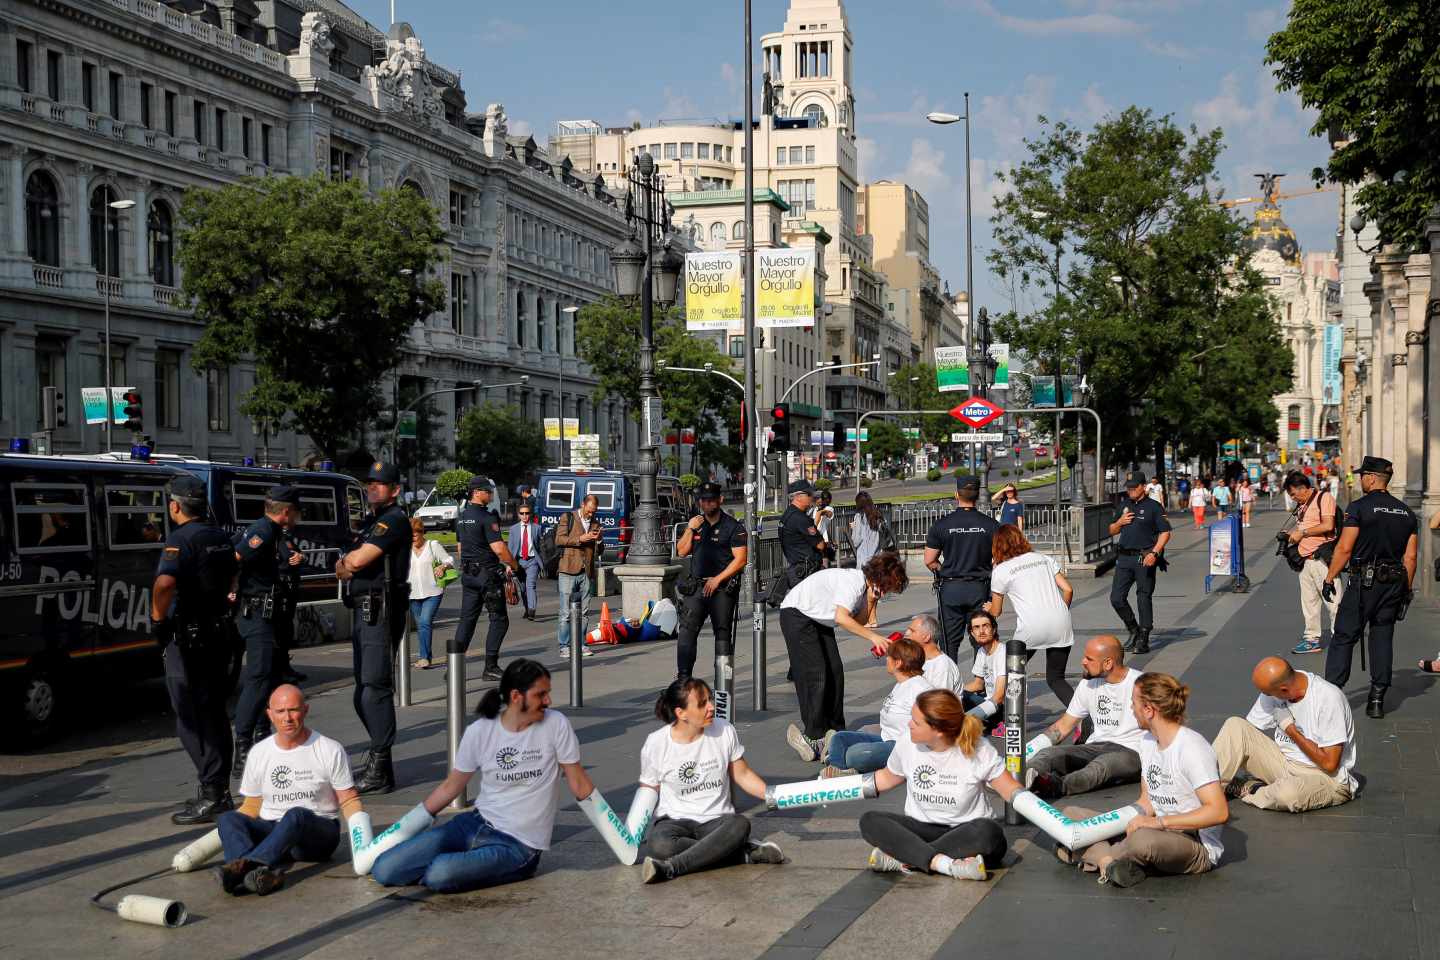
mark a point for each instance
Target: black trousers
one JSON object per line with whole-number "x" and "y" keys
{"x": 1056, "y": 659}
{"x": 959, "y": 599}
{"x": 1375, "y": 607}
{"x": 818, "y": 672}
{"x": 260, "y": 677}
{"x": 482, "y": 593}
{"x": 373, "y": 653}
{"x": 915, "y": 842}
{"x": 691, "y": 846}
{"x": 720, "y": 608}
{"x": 284, "y": 627}
{"x": 1130, "y": 571}
{"x": 196, "y": 679}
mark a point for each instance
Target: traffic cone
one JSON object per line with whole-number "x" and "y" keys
{"x": 607, "y": 628}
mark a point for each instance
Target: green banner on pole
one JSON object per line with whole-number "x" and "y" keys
{"x": 409, "y": 425}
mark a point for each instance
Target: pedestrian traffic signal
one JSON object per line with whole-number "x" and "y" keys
{"x": 134, "y": 415}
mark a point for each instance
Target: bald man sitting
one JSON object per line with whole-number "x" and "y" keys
{"x": 1297, "y": 744}
{"x": 296, "y": 785}
{"x": 1110, "y": 756}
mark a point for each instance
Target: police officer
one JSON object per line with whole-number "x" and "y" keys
{"x": 485, "y": 565}
{"x": 719, "y": 544}
{"x": 377, "y": 571}
{"x": 188, "y": 603}
{"x": 1379, "y": 541}
{"x": 289, "y": 559}
{"x": 962, "y": 537}
{"x": 801, "y": 543}
{"x": 1142, "y": 530}
{"x": 259, "y": 606}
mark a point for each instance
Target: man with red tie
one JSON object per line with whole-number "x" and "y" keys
{"x": 524, "y": 543}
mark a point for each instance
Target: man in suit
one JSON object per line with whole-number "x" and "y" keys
{"x": 524, "y": 544}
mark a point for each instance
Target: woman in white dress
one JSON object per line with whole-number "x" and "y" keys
{"x": 1041, "y": 596}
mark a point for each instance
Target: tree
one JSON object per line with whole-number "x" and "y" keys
{"x": 495, "y": 440}
{"x": 1370, "y": 68}
{"x": 1150, "y": 290}
{"x": 886, "y": 440}
{"x": 916, "y": 388}
{"x": 453, "y": 483}
{"x": 320, "y": 283}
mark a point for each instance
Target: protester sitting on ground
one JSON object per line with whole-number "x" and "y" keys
{"x": 984, "y": 693}
{"x": 691, "y": 761}
{"x": 1297, "y": 744}
{"x": 848, "y": 752}
{"x": 1109, "y": 756}
{"x": 1041, "y": 594}
{"x": 808, "y": 617}
{"x": 940, "y": 670}
{"x": 520, "y": 748}
{"x": 296, "y": 785}
{"x": 1181, "y": 799}
{"x": 948, "y": 826}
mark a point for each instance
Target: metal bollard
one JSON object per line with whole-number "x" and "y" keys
{"x": 1014, "y": 718}
{"x": 403, "y": 696}
{"x": 455, "y": 717}
{"x": 577, "y": 637}
{"x": 757, "y": 658}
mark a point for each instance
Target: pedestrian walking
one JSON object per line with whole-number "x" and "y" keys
{"x": 486, "y": 565}
{"x": 718, "y": 546}
{"x": 1221, "y": 495}
{"x": 1247, "y": 498}
{"x": 958, "y": 552}
{"x": 581, "y": 540}
{"x": 1197, "y": 504}
{"x": 1142, "y": 530}
{"x": 1314, "y": 536}
{"x": 524, "y": 543}
{"x": 428, "y": 561}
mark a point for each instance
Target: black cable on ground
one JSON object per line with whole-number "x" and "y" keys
{"x": 95, "y": 900}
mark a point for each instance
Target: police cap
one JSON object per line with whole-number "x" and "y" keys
{"x": 708, "y": 491}
{"x": 1136, "y": 479}
{"x": 189, "y": 487}
{"x": 478, "y": 482}
{"x": 1377, "y": 465}
{"x": 383, "y": 473}
{"x": 967, "y": 480}
{"x": 283, "y": 493}
{"x": 802, "y": 486}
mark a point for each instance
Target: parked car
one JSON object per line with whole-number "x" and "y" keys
{"x": 439, "y": 512}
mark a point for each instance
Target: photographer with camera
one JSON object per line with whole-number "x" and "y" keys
{"x": 1307, "y": 549}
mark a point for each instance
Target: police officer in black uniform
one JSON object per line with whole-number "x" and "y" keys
{"x": 1141, "y": 530}
{"x": 377, "y": 571}
{"x": 1379, "y": 545}
{"x": 718, "y": 545}
{"x": 800, "y": 542}
{"x": 962, "y": 537}
{"x": 188, "y": 605}
{"x": 485, "y": 565}
{"x": 259, "y": 606}
{"x": 289, "y": 559}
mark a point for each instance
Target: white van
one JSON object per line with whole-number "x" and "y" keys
{"x": 438, "y": 512}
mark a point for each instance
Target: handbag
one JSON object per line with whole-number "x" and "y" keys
{"x": 512, "y": 592}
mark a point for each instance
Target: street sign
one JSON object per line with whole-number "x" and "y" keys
{"x": 977, "y": 438}
{"x": 976, "y": 412}
{"x": 409, "y": 425}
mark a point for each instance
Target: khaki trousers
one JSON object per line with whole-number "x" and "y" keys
{"x": 1290, "y": 786}
{"x": 1159, "y": 851}
{"x": 1312, "y": 578}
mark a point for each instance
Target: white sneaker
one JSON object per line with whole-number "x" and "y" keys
{"x": 970, "y": 868}
{"x": 882, "y": 862}
{"x": 809, "y": 750}
{"x": 586, "y": 652}
{"x": 1030, "y": 776}
{"x": 763, "y": 851}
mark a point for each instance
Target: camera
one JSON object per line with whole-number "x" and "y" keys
{"x": 1282, "y": 540}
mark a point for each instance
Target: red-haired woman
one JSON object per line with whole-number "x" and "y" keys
{"x": 1041, "y": 595}
{"x": 948, "y": 826}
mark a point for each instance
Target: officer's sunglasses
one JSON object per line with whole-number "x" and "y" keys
{"x": 525, "y": 513}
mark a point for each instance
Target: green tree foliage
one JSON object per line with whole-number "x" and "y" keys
{"x": 1151, "y": 294}
{"x": 305, "y": 276}
{"x": 496, "y": 441}
{"x": 1371, "y": 68}
{"x": 886, "y": 441}
{"x": 915, "y": 388}
{"x": 452, "y": 483}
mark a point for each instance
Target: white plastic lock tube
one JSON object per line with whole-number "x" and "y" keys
{"x": 818, "y": 793}
{"x": 417, "y": 821}
{"x": 196, "y": 853}
{"x": 623, "y": 837}
{"x": 1073, "y": 834}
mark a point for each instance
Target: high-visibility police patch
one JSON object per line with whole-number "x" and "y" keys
{"x": 255, "y": 542}
{"x": 172, "y": 553}
{"x": 381, "y": 527}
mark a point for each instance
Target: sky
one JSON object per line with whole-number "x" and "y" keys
{"x": 1200, "y": 61}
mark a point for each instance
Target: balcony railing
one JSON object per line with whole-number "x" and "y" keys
{"x": 169, "y": 297}
{"x": 111, "y": 284}
{"x": 49, "y": 276}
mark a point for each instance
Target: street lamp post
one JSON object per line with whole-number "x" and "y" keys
{"x": 560, "y": 354}
{"x": 105, "y": 285}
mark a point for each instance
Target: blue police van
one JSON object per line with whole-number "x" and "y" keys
{"x": 79, "y": 540}
{"x": 561, "y": 491}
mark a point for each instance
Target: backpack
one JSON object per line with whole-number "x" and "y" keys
{"x": 887, "y": 538}
{"x": 550, "y": 551}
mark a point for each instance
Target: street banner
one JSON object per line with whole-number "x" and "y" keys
{"x": 713, "y": 291}
{"x": 785, "y": 288}
{"x": 911, "y": 433}
{"x": 585, "y": 450}
{"x": 1333, "y": 346}
{"x": 952, "y": 369}
{"x": 92, "y": 399}
{"x": 409, "y": 426}
{"x": 850, "y": 434}
{"x": 819, "y": 438}
{"x": 552, "y": 428}
{"x": 1042, "y": 391}
{"x": 653, "y": 422}
{"x": 1000, "y": 353}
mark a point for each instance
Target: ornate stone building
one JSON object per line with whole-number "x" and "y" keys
{"x": 112, "y": 100}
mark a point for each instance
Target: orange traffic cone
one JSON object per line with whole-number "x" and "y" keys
{"x": 607, "y": 628}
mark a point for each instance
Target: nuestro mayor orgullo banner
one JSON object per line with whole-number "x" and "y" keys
{"x": 785, "y": 288}
{"x": 713, "y": 291}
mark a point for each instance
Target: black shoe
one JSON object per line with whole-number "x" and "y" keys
{"x": 492, "y": 672}
{"x": 237, "y": 765}
{"x": 206, "y": 810}
{"x": 232, "y": 876}
{"x": 379, "y": 776}
{"x": 1129, "y": 645}
{"x": 357, "y": 769}
{"x": 1047, "y": 787}
{"x": 1142, "y": 642}
{"x": 263, "y": 881}
{"x": 1375, "y": 708}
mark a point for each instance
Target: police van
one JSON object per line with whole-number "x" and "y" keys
{"x": 79, "y": 541}
{"x": 561, "y": 491}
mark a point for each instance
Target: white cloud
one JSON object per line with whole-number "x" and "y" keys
{"x": 1095, "y": 22}
{"x": 1093, "y": 106}
{"x": 1168, "y": 48}
{"x": 499, "y": 31}
{"x": 1259, "y": 24}
{"x": 521, "y": 128}
{"x": 676, "y": 105}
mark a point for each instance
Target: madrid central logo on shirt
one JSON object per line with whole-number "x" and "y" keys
{"x": 1104, "y": 707}
{"x": 506, "y": 758}
{"x": 688, "y": 772}
{"x": 280, "y": 777}
{"x": 924, "y": 776}
{"x": 1155, "y": 778}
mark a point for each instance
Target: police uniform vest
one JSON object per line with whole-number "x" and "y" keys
{"x": 201, "y": 558}
{"x": 713, "y": 543}
{"x": 963, "y": 538}
{"x": 259, "y": 547}
{"x": 1385, "y": 526}
{"x": 799, "y": 537}
{"x": 388, "y": 529}
{"x": 1142, "y": 532}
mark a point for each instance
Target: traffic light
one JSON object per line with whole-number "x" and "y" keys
{"x": 780, "y": 415}
{"x": 134, "y": 415}
{"x": 52, "y": 408}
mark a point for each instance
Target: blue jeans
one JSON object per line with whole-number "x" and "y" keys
{"x": 424, "y": 613}
{"x": 864, "y": 752}
{"x": 463, "y": 853}
{"x": 298, "y": 835}
{"x": 572, "y": 585}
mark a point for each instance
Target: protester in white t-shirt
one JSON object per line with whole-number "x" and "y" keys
{"x": 1109, "y": 756}
{"x": 692, "y": 761}
{"x": 940, "y": 670}
{"x": 295, "y": 784}
{"x": 520, "y": 750}
{"x": 1041, "y": 594}
{"x": 1181, "y": 797}
{"x": 808, "y": 617}
{"x": 948, "y": 826}
{"x": 848, "y": 752}
{"x": 984, "y": 694}
{"x": 1297, "y": 744}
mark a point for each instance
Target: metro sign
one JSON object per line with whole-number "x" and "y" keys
{"x": 976, "y": 412}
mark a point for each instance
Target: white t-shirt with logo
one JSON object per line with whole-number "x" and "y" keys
{"x": 305, "y": 776}
{"x": 945, "y": 786}
{"x": 819, "y": 594}
{"x": 1173, "y": 775}
{"x": 944, "y": 674}
{"x": 519, "y": 773}
{"x": 895, "y": 711}
{"x": 1028, "y": 583}
{"x": 1322, "y": 715}
{"x": 990, "y": 667}
{"x": 1108, "y": 705}
{"x": 694, "y": 778}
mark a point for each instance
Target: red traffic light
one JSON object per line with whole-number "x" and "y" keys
{"x": 781, "y": 411}
{"x": 133, "y": 412}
